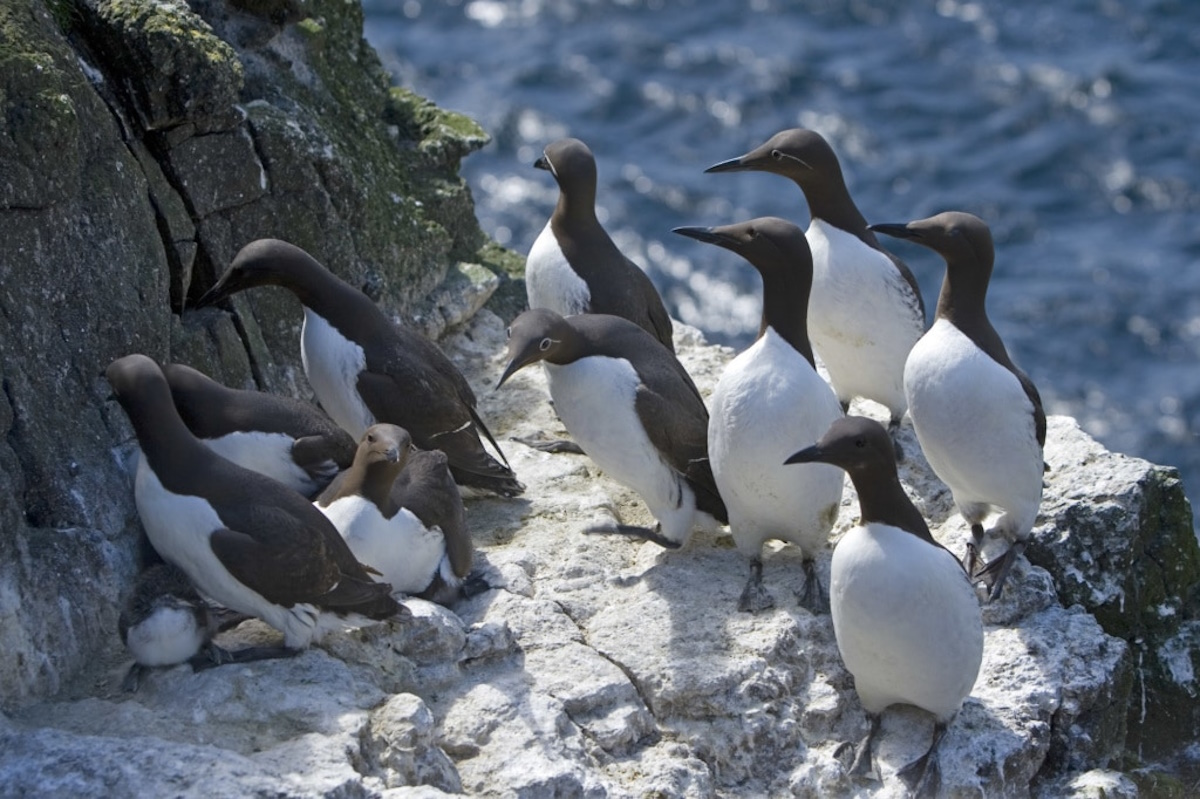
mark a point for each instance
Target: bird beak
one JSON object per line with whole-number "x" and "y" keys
{"x": 738, "y": 164}
{"x": 222, "y": 290}
{"x": 807, "y": 455}
{"x": 544, "y": 163}
{"x": 705, "y": 234}
{"x": 393, "y": 454}
{"x": 899, "y": 230}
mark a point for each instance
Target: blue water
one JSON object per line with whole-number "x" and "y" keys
{"x": 1072, "y": 128}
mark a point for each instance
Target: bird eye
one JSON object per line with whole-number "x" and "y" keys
{"x": 777, "y": 155}
{"x": 370, "y": 438}
{"x": 860, "y": 442}
{"x": 752, "y": 232}
{"x": 545, "y": 345}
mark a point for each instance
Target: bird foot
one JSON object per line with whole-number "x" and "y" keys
{"x": 633, "y": 531}
{"x": 922, "y": 776}
{"x": 996, "y": 573}
{"x": 814, "y": 598}
{"x": 133, "y": 678}
{"x": 755, "y": 598}
{"x": 544, "y": 443}
{"x": 213, "y": 655}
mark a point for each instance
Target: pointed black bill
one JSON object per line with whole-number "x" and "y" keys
{"x": 807, "y": 455}
{"x": 899, "y": 230}
{"x": 731, "y": 165}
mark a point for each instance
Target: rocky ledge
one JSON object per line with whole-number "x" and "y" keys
{"x": 605, "y": 667}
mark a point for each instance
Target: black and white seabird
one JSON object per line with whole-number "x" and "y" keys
{"x": 769, "y": 400}
{"x": 164, "y": 622}
{"x": 633, "y": 408}
{"x": 573, "y": 266}
{"x": 866, "y": 311}
{"x": 978, "y": 417}
{"x": 402, "y": 515}
{"x": 244, "y": 540}
{"x": 284, "y": 438}
{"x": 907, "y": 623}
{"x": 364, "y": 368}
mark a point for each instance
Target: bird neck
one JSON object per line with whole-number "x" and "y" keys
{"x": 785, "y": 310}
{"x": 577, "y": 207}
{"x": 882, "y": 500}
{"x": 963, "y": 298}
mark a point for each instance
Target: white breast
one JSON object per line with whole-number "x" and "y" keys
{"x": 332, "y": 363}
{"x": 167, "y": 636}
{"x": 907, "y": 622}
{"x": 863, "y": 316}
{"x": 179, "y": 526}
{"x": 265, "y": 453}
{"x": 401, "y": 549}
{"x": 975, "y": 425}
{"x": 550, "y": 282}
{"x": 770, "y": 403}
{"x": 594, "y": 397}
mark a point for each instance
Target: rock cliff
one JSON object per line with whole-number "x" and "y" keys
{"x": 142, "y": 145}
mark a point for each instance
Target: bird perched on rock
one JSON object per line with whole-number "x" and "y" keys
{"x": 865, "y": 312}
{"x": 164, "y": 622}
{"x": 366, "y": 369}
{"x": 574, "y": 267}
{"x": 401, "y": 513}
{"x": 281, "y": 437}
{"x": 244, "y": 540}
{"x": 769, "y": 399}
{"x": 907, "y": 623}
{"x": 632, "y": 407}
{"x": 978, "y": 417}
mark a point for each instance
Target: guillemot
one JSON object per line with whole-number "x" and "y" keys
{"x": 573, "y": 266}
{"x": 978, "y": 417}
{"x": 284, "y": 438}
{"x": 633, "y": 408}
{"x": 907, "y": 623}
{"x": 244, "y": 540}
{"x": 866, "y": 311}
{"x": 414, "y": 534}
{"x": 770, "y": 399}
{"x": 364, "y": 368}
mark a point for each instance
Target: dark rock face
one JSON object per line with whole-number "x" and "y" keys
{"x": 141, "y": 145}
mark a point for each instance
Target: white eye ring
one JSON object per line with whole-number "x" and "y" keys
{"x": 508, "y": 332}
{"x": 777, "y": 155}
{"x": 545, "y": 345}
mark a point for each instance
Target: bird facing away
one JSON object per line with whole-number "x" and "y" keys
{"x": 281, "y": 437}
{"x": 412, "y": 531}
{"x": 865, "y": 312}
{"x": 366, "y": 369}
{"x": 633, "y": 408}
{"x": 978, "y": 417}
{"x": 906, "y": 620}
{"x": 164, "y": 622}
{"x": 573, "y": 266}
{"x": 244, "y": 540}
{"x": 770, "y": 399}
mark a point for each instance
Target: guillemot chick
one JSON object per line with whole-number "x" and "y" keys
{"x": 633, "y": 408}
{"x": 907, "y": 623}
{"x": 978, "y": 417}
{"x": 769, "y": 399}
{"x": 866, "y": 311}
{"x": 364, "y": 368}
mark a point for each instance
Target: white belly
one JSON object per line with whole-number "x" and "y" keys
{"x": 594, "y": 397}
{"x": 976, "y": 427}
{"x": 768, "y": 404}
{"x": 862, "y": 317}
{"x": 550, "y": 282}
{"x": 167, "y": 636}
{"x": 907, "y": 622}
{"x": 179, "y": 527}
{"x": 265, "y": 453}
{"x": 401, "y": 549}
{"x": 332, "y": 364}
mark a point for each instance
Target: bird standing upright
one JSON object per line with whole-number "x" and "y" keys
{"x": 633, "y": 408}
{"x": 770, "y": 399}
{"x": 573, "y": 266}
{"x": 366, "y": 369}
{"x": 865, "y": 312}
{"x": 978, "y": 417}
{"x": 907, "y": 623}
